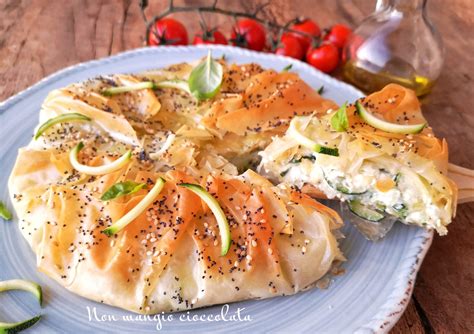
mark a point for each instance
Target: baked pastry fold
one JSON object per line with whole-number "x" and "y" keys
{"x": 379, "y": 173}
{"x": 168, "y": 259}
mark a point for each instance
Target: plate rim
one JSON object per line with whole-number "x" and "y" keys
{"x": 396, "y": 303}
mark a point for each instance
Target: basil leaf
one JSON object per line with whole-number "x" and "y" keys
{"x": 122, "y": 189}
{"x": 205, "y": 80}
{"x": 339, "y": 121}
{"x": 4, "y": 213}
{"x": 287, "y": 68}
{"x": 321, "y": 90}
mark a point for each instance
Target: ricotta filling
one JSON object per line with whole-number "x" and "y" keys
{"x": 408, "y": 199}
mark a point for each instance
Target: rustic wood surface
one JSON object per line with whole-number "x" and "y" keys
{"x": 38, "y": 37}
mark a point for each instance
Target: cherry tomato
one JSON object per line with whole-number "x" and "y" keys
{"x": 325, "y": 57}
{"x": 210, "y": 37}
{"x": 249, "y": 34}
{"x": 338, "y": 35}
{"x": 307, "y": 26}
{"x": 167, "y": 31}
{"x": 290, "y": 46}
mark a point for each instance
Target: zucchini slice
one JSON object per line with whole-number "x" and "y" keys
{"x": 15, "y": 327}
{"x": 401, "y": 210}
{"x": 19, "y": 284}
{"x": 5, "y": 214}
{"x": 125, "y": 89}
{"x": 387, "y": 126}
{"x": 99, "y": 170}
{"x": 365, "y": 212}
{"x": 137, "y": 210}
{"x": 295, "y": 131}
{"x": 60, "y": 119}
{"x": 397, "y": 178}
{"x": 341, "y": 188}
{"x": 216, "y": 209}
{"x": 177, "y": 84}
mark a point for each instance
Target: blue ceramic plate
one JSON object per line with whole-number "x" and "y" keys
{"x": 369, "y": 297}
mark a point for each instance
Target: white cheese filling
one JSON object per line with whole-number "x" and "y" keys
{"x": 408, "y": 199}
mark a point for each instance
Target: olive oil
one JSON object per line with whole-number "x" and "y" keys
{"x": 395, "y": 44}
{"x": 369, "y": 81}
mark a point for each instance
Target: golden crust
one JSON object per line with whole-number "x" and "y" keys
{"x": 168, "y": 259}
{"x": 421, "y": 156}
{"x": 397, "y": 104}
{"x": 269, "y": 102}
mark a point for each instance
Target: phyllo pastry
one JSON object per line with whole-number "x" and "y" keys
{"x": 131, "y": 199}
{"x": 378, "y": 154}
{"x": 253, "y": 105}
{"x": 172, "y": 126}
{"x": 170, "y": 256}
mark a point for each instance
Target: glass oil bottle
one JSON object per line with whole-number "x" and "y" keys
{"x": 396, "y": 44}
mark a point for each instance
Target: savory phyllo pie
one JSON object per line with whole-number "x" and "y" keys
{"x": 157, "y": 111}
{"x": 128, "y": 196}
{"x": 377, "y": 154}
{"x": 252, "y": 105}
{"x": 245, "y": 239}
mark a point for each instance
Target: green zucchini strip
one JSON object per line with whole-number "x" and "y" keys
{"x": 137, "y": 210}
{"x": 19, "y": 284}
{"x": 69, "y": 117}
{"x": 97, "y": 170}
{"x": 216, "y": 209}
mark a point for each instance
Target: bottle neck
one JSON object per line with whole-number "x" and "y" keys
{"x": 405, "y": 6}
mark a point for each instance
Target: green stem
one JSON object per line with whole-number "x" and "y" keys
{"x": 236, "y": 14}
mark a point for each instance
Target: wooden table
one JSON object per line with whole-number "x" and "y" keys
{"x": 39, "y": 37}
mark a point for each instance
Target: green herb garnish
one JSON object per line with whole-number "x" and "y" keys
{"x": 122, "y": 189}
{"x": 321, "y": 90}
{"x": 339, "y": 120}
{"x": 205, "y": 80}
{"x": 4, "y": 212}
{"x": 287, "y": 68}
